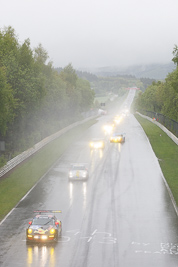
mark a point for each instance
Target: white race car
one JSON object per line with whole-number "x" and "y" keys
{"x": 78, "y": 171}
{"x": 97, "y": 144}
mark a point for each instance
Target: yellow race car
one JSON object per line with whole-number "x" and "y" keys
{"x": 117, "y": 138}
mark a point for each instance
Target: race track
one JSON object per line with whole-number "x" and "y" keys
{"x": 121, "y": 217}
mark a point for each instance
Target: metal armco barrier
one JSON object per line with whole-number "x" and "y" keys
{"x": 170, "y": 134}
{"x": 26, "y": 154}
{"x": 170, "y": 124}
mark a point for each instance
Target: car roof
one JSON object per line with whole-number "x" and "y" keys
{"x": 118, "y": 134}
{"x": 46, "y": 213}
{"x": 77, "y": 165}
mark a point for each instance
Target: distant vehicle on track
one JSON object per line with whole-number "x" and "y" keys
{"x": 78, "y": 171}
{"x": 109, "y": 127}
{"x": 102, "y": 112}
{"x": 97, "y": 143}
{"x": 44, "y": 227}
{"x": 118, "y": 119}
{"x": 117, "y": 138}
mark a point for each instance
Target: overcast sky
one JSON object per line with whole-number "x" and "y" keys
{"x": 96, "y": 33}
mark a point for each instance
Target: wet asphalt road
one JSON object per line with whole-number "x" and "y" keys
{"x": 122, "y": 216}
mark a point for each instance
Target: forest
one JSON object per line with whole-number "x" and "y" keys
{"x": 35, "y": 99}
{"x": 162, "y": 96}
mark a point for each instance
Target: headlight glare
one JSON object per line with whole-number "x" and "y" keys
{"x": 52, "y": 231}
{"x": 30, "y": 231}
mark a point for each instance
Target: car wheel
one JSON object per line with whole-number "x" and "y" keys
{"x": 59, "y": 233}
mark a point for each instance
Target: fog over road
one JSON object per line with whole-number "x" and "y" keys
{"x": 121, "y": 217}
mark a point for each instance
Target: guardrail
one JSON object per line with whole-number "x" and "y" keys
{"x": 170, "y": 124}
{"x": 170, "y": 134}
{"x": 26, "y": 154}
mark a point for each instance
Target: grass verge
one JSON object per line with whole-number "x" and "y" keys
{"x": 21, "y": 180}
{"x": 165, "y": 150}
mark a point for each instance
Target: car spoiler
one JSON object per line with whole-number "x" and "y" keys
{"x": 47, "y": 211}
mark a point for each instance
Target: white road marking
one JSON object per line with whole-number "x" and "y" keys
{"x": 62, "y": 241}
{"x": 94, "y": 232}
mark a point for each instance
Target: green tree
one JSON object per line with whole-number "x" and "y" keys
{"x": 86, "y": 95}
{"x": 35, "y": 100}
{"x": 7, "y": 103}
{"x": 170, "y": 96}
{"x": 69, "y": 77}
{"x": 40, "y": 55}
{"x": 172, "y": 80}
{"x": 175, "y": 54}
{"x": 25, "y": 58}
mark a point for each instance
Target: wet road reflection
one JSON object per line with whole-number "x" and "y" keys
{"x": 96, "y": 153}
{"x": 41, "y": 255}
{"x": 82, "y": 191}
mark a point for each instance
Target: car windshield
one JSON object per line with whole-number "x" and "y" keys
{"x": 78, "y": 167}
{"x": 42, "y": 221}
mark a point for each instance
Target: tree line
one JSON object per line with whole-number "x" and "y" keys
{"x": 162, "y": 96}
{"x": 35, "y": 99}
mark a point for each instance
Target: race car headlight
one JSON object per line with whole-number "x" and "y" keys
{"x": 91, "y": 144}
{"x": 52, "y": 231}
{"x": 44, "y": 237}
{"x": 30, "y": 231}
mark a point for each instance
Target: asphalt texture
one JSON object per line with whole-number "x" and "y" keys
{"x": 121, "y": 216}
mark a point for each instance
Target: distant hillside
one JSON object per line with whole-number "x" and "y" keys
{"x": 152, "y": 71}
{"x": 82, "y": 74}
{"x": 112, "y": 81}
{"x": 87, "y": 75}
